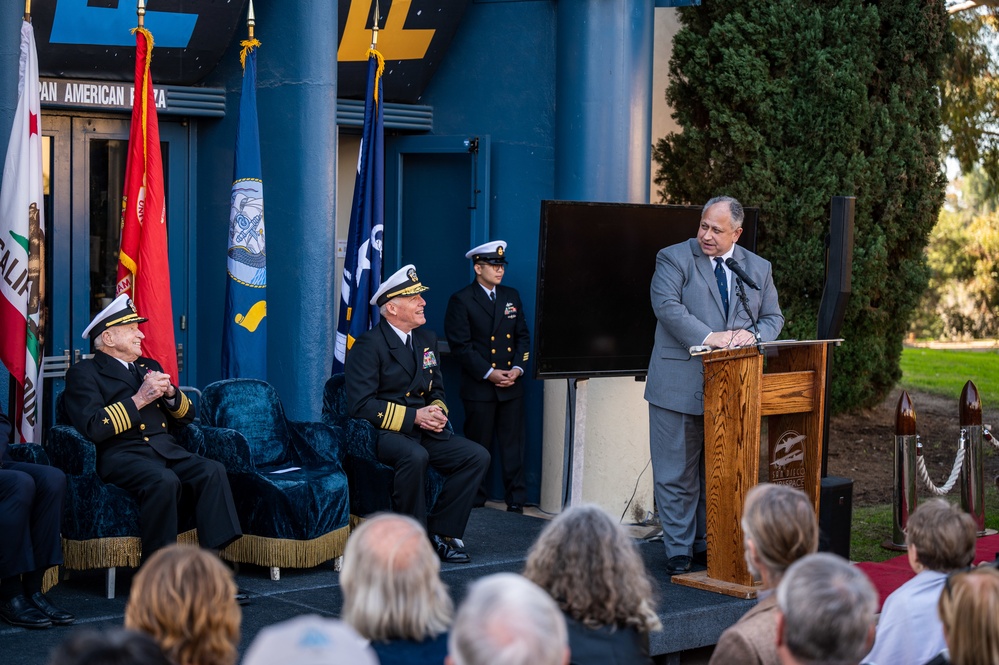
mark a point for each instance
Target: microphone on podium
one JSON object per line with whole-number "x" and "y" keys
{"x": 734, "y": 266}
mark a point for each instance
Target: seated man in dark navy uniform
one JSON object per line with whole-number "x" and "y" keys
{"x": 394, "y": 381}
{"x": 30, "y": 514}
{"x": 124, "y": 402}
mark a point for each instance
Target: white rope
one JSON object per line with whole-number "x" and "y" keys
{"x": 954, "y": 473}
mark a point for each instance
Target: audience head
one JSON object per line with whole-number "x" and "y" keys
{"x": 185, "y": 598}
{"x": 778, "y": 527}
{"x": 113, "y": 647}
{"x": 940, "y": 537}
{"x": 590, "y": 566}
{"x": 309, "y": 640}
{"x": 391, "y": 581}
{"x": 969, "y": 611}
{"x": 826, "y": 612}
{"x": 508, "y": 620}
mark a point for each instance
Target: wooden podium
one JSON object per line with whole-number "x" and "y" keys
{"x": 738, "y": 392}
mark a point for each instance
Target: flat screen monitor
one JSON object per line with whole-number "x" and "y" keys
{"x": 596, "y": 260}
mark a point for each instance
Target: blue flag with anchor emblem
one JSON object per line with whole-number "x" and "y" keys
{"x": 244, "y": 332}
{"x": 362, "y": 267}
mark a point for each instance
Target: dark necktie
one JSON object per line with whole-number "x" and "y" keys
{"x": 409, "y": 341}
{"x": 492, "y": 296}
{"x": 722, "y": 279}
{"x": 135, "y": 372}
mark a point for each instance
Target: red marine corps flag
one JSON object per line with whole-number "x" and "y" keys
{"x": 143, "y": 265}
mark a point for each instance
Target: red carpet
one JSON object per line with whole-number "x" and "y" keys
{"x": 893, "y": 573}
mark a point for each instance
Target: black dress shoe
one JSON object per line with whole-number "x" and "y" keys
{"x": 446, "y": 552}
{"x": 678, "y": 565}
{"x": 701, "y": 558}
{"x": 515, "y": 508}
{"x": 56, "y": 615}
{"x": 18, "y": 611}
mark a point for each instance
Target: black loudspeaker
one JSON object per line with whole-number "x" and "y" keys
{"x": 835, "y": 515}
{"x": 839, "y": 268}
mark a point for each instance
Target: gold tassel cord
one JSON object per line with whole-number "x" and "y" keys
{"x": 381, "y": 68}
{"x": 248, "y": 46}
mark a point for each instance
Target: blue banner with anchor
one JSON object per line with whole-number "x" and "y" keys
{"x": 244, "y": 332}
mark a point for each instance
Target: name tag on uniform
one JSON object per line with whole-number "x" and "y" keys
{"x": 429, "y": 359}
{"x": 510, "y": 311}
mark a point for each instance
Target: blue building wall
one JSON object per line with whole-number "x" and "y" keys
{"x": 500, "y": 81}
{"x": 498, "y": 78}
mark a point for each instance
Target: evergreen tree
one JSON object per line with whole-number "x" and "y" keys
{"x": 784, "y": 104}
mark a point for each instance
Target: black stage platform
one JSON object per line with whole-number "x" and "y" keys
{"x": 497, "y": 541}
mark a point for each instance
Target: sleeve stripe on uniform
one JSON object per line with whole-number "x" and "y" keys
{"x": 395, "y": 415}
{"x": 182, "y": 408}
{"x": 441, "y": 404}
{"x": 119, "y": 416}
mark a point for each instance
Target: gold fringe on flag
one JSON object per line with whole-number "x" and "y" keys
{"x": 286, "y": 553}
{"x": 248, "y": 46}
{"x": 379, "y": 71}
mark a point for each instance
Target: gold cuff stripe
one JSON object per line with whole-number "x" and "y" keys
{"x": 119, "y": 416}
{"x": 395, "y": 415}
{"x": 441, "y": 404}
{"x": 182, "y": 408}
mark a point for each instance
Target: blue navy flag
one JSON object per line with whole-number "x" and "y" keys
{"x": 244, "y": 333}
{"x": 362, "y": 267}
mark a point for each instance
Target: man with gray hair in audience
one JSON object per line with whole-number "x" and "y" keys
{"x": 392, "y": 591}
{"x": 508, "y": 620}
{"x": 826, "y": 612}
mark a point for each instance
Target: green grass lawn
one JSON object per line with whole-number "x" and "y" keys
{"x": 941, "y": 372}
{"x": 945, "y": 372}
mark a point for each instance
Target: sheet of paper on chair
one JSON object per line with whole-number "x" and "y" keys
{"x": 290, "y": 468}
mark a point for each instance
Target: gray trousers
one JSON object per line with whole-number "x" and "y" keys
{"x": 677, "y": 447}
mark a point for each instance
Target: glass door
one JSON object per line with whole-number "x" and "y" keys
{"x": 84, "y": 173}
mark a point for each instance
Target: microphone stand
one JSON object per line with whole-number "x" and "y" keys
{"x": 741, "y": 293}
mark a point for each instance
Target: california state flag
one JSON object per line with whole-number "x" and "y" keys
{"x": 22, "y": 249}
{"x": 143, "y": 262}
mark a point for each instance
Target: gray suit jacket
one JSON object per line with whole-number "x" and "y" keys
{"x": 688, "y": 308}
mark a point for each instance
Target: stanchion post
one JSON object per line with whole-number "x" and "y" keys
{"x": 973, "y": 471}
{"x": 904, "y": 490}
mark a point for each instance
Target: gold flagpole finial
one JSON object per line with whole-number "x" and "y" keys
{"x": 251, "y": 20}
{"x": 27, "y": 10}
{"x": 140, "y": 10}
{"x": 374, "y": 27}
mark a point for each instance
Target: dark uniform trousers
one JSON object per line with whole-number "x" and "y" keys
{"x": 486, "y": 335}
{"x": 136, "y": 452}
{"x": 31, "y": 497}
{"x": 386, "y": 384}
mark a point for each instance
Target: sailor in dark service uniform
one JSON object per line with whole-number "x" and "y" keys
{"x": 393, "y": 380}
{"x": 124, "y": 403}
{"x": 487, "y": 333}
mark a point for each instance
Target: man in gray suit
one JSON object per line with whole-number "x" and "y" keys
{"x": 694, "y": 298}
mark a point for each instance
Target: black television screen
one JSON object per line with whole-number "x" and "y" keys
{"x": 595, "y": 265}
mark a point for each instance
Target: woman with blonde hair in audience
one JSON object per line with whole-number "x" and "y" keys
{"x": 185, "y": 598}
{"x": 392, "y": 591}
{"x": 940, "y": 538}
{"x": 778, "y": 528}
{"x": 589, "y": 565}
{"x": 969, "y": 610}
